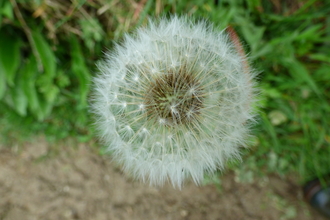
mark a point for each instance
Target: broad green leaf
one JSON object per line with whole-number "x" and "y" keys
{"x": 29, "y": 73}
{"x": 6, "y": 10}
{"x": 44, "y": 111}
{"x": 34, "y": 83}
{"x": 49, "y": 93}
{"x": 45, "y": 82}
{"x": 80, "y": 69}
{"x": 9, "y": 56}
{"x": 17, "y": 99}
{"x": 47, "y": 56}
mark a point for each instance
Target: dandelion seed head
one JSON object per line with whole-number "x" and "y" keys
{"x": 180, "y": 98}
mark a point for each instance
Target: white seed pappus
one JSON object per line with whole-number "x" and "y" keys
{"x": 173, "y": 101}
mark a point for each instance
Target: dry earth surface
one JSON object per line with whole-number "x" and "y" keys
{"x": 72, "y": 181}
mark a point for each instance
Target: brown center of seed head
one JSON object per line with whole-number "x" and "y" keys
{"x": 174, "y": 98}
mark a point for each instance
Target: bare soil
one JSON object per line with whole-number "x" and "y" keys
{"x": 72, "y": 181}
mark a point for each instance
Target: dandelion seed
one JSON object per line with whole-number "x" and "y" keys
{"x": 141, "y": 107}
{"x": 185, "y": 94}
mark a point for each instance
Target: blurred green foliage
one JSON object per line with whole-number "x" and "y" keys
{"x": 48, "y": 51}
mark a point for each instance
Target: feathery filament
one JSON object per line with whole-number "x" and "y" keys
{"x": 174, "y": 101}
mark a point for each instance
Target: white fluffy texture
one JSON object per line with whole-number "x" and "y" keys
{"x": 147, "y": 146}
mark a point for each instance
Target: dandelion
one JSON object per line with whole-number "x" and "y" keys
{"x": 173, "y": 101}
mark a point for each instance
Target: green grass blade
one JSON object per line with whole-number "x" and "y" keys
{"x": 301, "y": 73}
{"x": 9, "y": 56}
{"x": 2, "y": 82}
{"x": 29, "y": 73}
{"x": 80, "y": 69}
{"x": 47, "y": 56}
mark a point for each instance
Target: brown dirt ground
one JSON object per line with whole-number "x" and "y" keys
{"x": 43, "y": 181}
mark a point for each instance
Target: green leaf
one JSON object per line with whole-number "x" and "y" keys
{"x": 6, "y": 9}
{"x": 47, "y": 56}
{"x": 311, "y": 33}
{"x": 47, "y": 88}
{"x": 320, "y": 57}
{"x": 29, "y": 73}
{"x": 2, "y": 83}
{"x": 92, "y": 32}
{"x": 62, "y": 79}
{"x": 51, "y": 93}
{"x": 33, "y": 84}
{"x": 9, "y": 56}
{"x": 144, "y": 12}
{"x": 44, "y": 111}
{"x": 269, "y": 128}
{"x": 263, "y": 50}
{"x": 253, "y": 34}
{"x": 17, "y": 99}
{"x": 80, "y": 69}
{"x": 300, "y": 73}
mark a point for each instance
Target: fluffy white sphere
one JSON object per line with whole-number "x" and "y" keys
{"x": 174, "y": 101}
